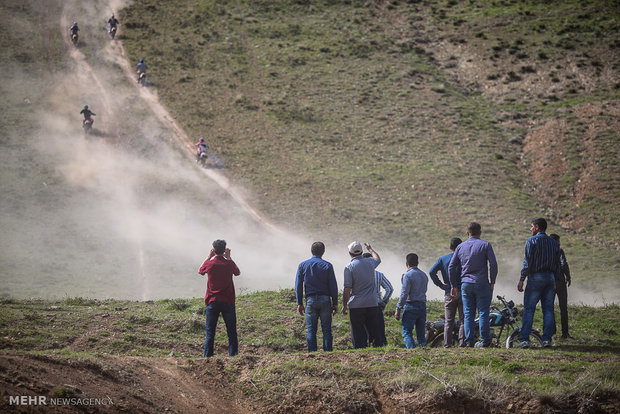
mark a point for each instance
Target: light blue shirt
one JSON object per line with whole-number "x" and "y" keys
{"x": 359, "y": 276}
{"x": 414, "y": 287}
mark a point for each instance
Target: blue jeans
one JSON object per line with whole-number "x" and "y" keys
{"x": 230, "y": 320}
{"x": 319, "y": 307}
{"x": 540, "y": 287}
{"x": 414, "y": 315}
{"x": 477, "y": 296}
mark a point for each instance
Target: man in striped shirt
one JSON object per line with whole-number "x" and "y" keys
{"x": 381, "y": 282}
{"x": 540, "y": 265}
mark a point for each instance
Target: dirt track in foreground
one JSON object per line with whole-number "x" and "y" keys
{"x": 122, "y": 384}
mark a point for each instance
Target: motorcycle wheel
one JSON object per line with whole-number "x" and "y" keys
{"x": 535, "y": 339}
{"x": 437, "y": 341}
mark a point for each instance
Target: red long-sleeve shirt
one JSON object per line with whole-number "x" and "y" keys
{"x": 220, "y": 286}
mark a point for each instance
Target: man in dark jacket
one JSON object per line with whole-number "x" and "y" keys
{"x": 562, "y": 281}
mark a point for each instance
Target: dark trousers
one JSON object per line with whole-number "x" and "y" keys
{"x": 230, "y": 320}
{"x": 562, "y": 294}
{"x": 452, "y": 305}
{"x": 383, "y": 340}
{"x": 365, "y": 322}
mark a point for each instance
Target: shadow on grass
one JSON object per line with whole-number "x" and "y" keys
{"x": 601, "y": 349}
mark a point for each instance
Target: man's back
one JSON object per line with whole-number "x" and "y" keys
{"x": 220, "y": 286}
{"x": 414, "y": 286}
{"x": 542, "y": 254}
{"x": 476, "y": 258}
{"x": 318, "y": 277}
{"x": 359, "y": 275}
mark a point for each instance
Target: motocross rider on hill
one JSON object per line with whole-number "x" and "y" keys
{"x": 74, "y": 29}
{"x": 201, "y": 147}
{"x": 112, "y": 22}
{"x": 141, "y": 68}
{"x": 87, "y": 114}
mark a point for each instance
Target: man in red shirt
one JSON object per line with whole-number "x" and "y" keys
{"x": 220, "y": 296}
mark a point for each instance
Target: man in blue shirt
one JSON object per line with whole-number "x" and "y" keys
{"x": 360, "y": 296}
{"x": 540, "y": 265}
{"x": 413, "y": 300}
{"x": 477, "y": 277}
{"x": 452, "y": 304}
{"x": 321, "y": 296}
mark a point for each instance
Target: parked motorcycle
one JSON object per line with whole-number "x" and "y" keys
{"x": 505, "y": 319}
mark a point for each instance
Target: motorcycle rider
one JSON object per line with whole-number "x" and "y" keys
{"x": 141, "y": 68}
{"x": 74, "y": 29}
{"x": 201, "y": 147}
{"x": 112, "y": 22}
{"x": 87, "y": 114}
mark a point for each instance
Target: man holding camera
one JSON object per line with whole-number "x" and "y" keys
{"x": 220, "y": 296}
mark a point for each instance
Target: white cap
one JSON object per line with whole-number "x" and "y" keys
{"x": 355, "y": 248}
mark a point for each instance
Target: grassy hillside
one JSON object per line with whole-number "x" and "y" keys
{"x": 402, "y": 121}
{"x": 129, "y": 343}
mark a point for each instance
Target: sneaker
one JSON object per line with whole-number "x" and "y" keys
{"x": 546, "y": 344}
{"x": 524, "y": 344}
{"x": 481, "y": 344}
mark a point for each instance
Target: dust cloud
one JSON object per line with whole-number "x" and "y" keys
{"x": 125, "y": 212}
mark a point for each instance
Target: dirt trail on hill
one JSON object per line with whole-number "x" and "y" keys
{"x": 116, "y": 52}
{"x": 126, "y": 211}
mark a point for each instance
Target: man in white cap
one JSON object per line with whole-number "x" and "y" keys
{"x": 360, "y": 296}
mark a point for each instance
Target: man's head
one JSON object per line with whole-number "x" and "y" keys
{"x": 474, "y": 229}
{"x": 555, "y": 237}
{"x": 219, "y": 246}
{"x": 455, "y": 242}
{"x": 317, "y": 249}
{"x": 412, "y": 260}
{"x": 355, "y": 249}
{"x": 539, "y": 224}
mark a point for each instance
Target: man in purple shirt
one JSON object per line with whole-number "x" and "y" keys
{"x": 477, "y": 278}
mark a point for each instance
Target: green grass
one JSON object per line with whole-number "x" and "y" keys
{"x": 274, "y": 371}
{"x": 376, "y": 133}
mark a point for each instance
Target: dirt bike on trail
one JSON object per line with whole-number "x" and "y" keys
{"x": 505, "y": 319}
{"x": 75, "y": 39}
{"x": 87, "y": 124}
{"x": 112, "y": 32}
{"x": 142, "y": 79}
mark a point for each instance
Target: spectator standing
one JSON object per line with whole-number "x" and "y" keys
{"x": 413, "y": 301}
{"x": 220, "y": 296}
{"x": 382, "y": 282}
{"x": 477, "y": 277}
{"x": 541, "y": 264}
{"x": 562, "y": 282}
{"x": 321, "y": 290}
{"x": 360, "y": 296}
{"x": 451, "y": 304}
